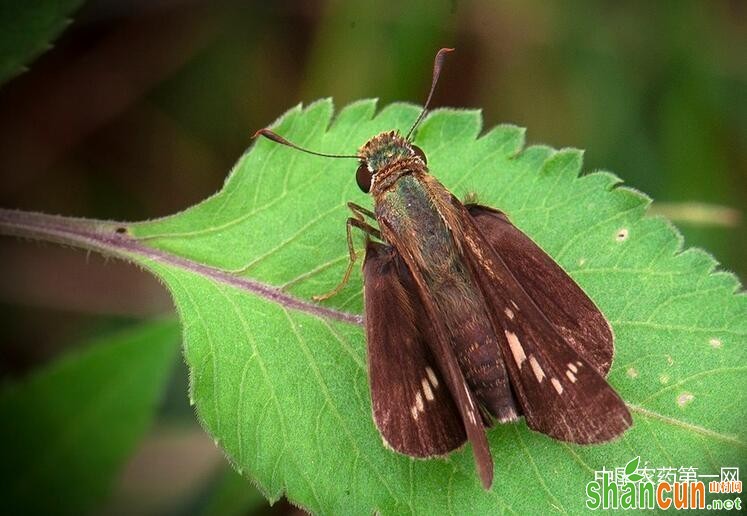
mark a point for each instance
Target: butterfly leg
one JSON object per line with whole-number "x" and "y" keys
{"x": 360, "y": 211}
{"x": 358, "y": 222}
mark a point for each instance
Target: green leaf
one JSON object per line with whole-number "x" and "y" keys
{"x": 68, "y": 428}
{"x": 280, "y": 382}
{"x": 28, "y": 28}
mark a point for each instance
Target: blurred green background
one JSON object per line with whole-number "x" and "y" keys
{"x": 142, "y": 107}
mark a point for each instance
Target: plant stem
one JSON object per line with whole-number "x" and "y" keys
{"x": 113, "y": 239}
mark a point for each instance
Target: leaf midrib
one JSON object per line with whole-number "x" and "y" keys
{"x": 101, "y": 236}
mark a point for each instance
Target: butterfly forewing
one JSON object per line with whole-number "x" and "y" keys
{"x": 560, "y": 391}
{"x": 412, "y": 406}
{"x": 574, "y": 316}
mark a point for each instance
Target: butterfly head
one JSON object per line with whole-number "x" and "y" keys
{"x": 382, "y": 151}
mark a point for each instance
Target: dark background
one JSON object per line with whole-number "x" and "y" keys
{"x": 142, "y": 107}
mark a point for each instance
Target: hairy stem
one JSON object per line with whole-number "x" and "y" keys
{"x": 113, "y": 239}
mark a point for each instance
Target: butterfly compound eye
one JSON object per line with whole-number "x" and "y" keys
{"x": 363, "y": 177}
{"x": 419, "y": 153}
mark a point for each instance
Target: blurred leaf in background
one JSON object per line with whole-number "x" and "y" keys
{"x": 67, "y": 429}
{"x": 27, "y": 32}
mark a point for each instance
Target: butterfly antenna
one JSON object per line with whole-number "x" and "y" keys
{"x": 437, "y": 64}
{"x": 279, "y": 139}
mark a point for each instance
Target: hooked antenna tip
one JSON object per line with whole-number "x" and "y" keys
{"x": 272, "y": 136}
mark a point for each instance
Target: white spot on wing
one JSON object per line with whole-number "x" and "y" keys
{"x": 571, "y": 376}
{"x": 632, "y": 372}
{"x": 538, "y": 372}
{"x": 573, "y": 368}
{"x": 556, "y": 384}
{"x": 509, "y": 313}
{"x": 516, "y": 350}
{"x": 432, "y": 377}
{"x": 715, "y": 343}
{"x": 622, "y": 234}
{"x": 414, "y": 412}
{"x": 427, "y": 389}
{"x": 419, "y": 402}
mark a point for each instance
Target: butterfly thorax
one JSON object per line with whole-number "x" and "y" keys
{"x": 407, "y": 214}
{"x": 411, "y": 220}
